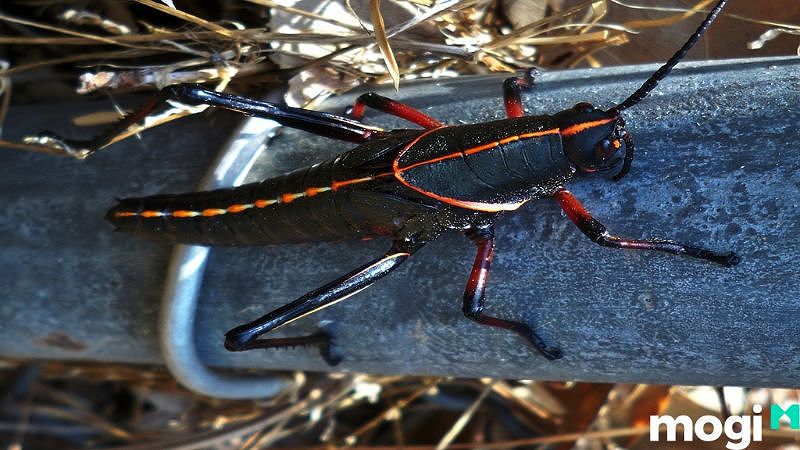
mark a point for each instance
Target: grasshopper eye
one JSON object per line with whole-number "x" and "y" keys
{"x": 606, "y": 148}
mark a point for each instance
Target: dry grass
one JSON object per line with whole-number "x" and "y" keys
{"x": 258, "y": 44}
{"x": 67, "y": 406}
{"x": 318, "y": 50}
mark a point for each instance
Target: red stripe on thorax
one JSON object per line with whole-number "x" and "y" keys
{"x": 479, "y": 206}
{"x": 469, "y": 151}
{"x": 583, "y": 126}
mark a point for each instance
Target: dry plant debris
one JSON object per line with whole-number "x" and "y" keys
{"x": 316, "y": 48}
{"x": 58, "y": 405}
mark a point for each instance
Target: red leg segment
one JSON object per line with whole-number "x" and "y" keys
{"x": 597, "y": 232}
{"x": 475, "y": 294}
{"x": 512, "y": 92}
{"x": 394, "y": 108}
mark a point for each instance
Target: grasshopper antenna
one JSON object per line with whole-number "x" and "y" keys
{"x": 664, "y": 70}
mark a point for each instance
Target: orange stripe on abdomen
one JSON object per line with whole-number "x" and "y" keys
{"x": 235, "y": 208}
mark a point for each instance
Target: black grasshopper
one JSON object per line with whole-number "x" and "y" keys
{"x": 408, "y": 184}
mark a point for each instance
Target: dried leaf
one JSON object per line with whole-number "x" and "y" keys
{"x": 383, "y": 42}
{"x": 541, "y": 26}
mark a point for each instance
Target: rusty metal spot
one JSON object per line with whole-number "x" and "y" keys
{"x": 64, "y": 342}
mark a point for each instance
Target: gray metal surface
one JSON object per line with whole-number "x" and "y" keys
{"x": 717, "y": 163}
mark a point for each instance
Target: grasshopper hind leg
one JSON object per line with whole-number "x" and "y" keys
{"x": 247, "y": 337}
{"x": 316, "y": 122}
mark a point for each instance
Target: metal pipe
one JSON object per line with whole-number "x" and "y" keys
{"x": 185, "y": 278}
{"x": 717, "y": 165}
